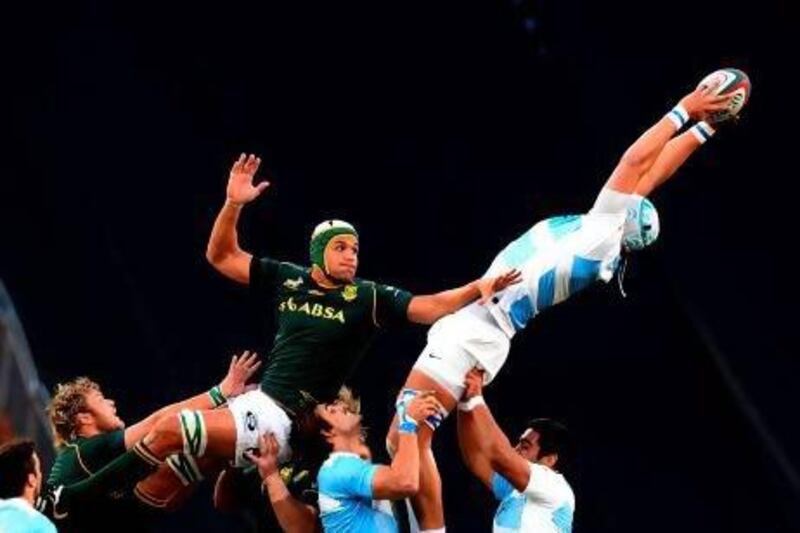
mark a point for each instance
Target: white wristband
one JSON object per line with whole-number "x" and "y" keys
{"x": 471, "y": 404}
{"x": 678, "y": 116}
{"x": 703, "y": 131}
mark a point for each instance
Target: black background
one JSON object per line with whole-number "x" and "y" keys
{"x": 442, "y": 130}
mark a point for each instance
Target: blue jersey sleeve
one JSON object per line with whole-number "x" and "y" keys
{"x": 500, "y": 486}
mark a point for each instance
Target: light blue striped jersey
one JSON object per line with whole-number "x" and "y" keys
{"x": 345, "y": 497}
{"x": 546, "y": 505}
{"x": 557, "y": 257}
{"x": 18, "y": 516}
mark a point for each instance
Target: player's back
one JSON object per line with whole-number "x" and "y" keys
{"x": 557, "y": 257}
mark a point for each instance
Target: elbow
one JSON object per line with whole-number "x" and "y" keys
{"x": 408, "y": 487}
{"x": 632, "y": 160}
{"x": 214, "y": 255}
{"x": 220, "y": 258}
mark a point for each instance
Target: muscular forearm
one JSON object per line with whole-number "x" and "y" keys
{"x": 640, "y": 156}
{"x": 455, "y": 299}
{"x": 292, "y": 514}
{"x": 199, "y": 402}
{"x": 675, "y": 154}
{"x": 401, "y": 478}
{"x": 224, "y": 238}
{"x": 650, "y": 143}
{"x": 430, "y": 308}
{"x": 496, "y": 452}
{"x": 484, "y": 432}
{"x": 405, "y": 464}
{"x": 473, "y": 442}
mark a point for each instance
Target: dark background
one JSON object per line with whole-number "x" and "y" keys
{"x": 442, "y": 130}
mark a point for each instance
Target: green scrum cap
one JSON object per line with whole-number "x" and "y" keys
{"x": 322, "y": 235}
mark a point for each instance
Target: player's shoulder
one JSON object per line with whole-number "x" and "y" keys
{"x": 68, "y": 465}
{"x": 340, "y": 460}
{"x": 111, "y": 439}
{"x": 287, "y": 269}
{"x": 553, "y": 482}
{"x": 602, "y": 226}
{"x": 333, "y": 468}
{"x": 370, "y": 286}
{"x": 603, "y": 218}
{"x": 42, "y": 524}
{"x": 16, "y": 510}
{"x": 292, "y": 276}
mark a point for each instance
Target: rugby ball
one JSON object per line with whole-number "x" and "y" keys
{"x": 728, "y": 81}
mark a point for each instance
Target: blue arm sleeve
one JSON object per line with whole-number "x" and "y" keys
{"x": 500, "y": 486}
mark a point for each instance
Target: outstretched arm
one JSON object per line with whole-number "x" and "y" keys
{"x": 474, "y": 443}
{"x": 673, "y": 156}
{"x": 121, "y": 474}
{"x": 484, "y": 446}
{"x": 223, "y": 250}
{"x": 401, "y": 478}
{"x": 242, "y": 367}
{"x": 427, "y": 309}
{"x": 647, "y": 154}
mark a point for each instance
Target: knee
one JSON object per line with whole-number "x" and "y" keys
{"x": 165, "y": 436}
{"x": 184, "y": 432}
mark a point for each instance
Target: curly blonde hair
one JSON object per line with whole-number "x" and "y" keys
{"x": 68, "y": 400}
{"x": 347, "y": 397}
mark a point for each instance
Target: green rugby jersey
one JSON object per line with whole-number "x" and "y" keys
{"x": 322, "y": 333}
{"x": 118, "y": 511}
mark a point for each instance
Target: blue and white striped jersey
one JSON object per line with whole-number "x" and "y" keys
{"x": 345, "y": 497}
{"x": 558, "y": 257}
{"x": 546, "y": 505}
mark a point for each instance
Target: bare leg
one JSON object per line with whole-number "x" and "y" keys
{"x": 164, "y": 489}
{"x": 167, "y": 437}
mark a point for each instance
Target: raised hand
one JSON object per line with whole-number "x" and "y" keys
{"x": 473, "y": 384}
{"x": 241, "y": 369}
{"x": 267, "y": 459}
{"x": 240, "y": 182}
{"x": 703, "y": 102}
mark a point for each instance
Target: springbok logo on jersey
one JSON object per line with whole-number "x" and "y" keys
{"x": 350, "y": 293}
{"x": 293, "y": 284}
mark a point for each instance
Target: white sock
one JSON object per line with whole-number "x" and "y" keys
{"x": 413, "y": 525}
